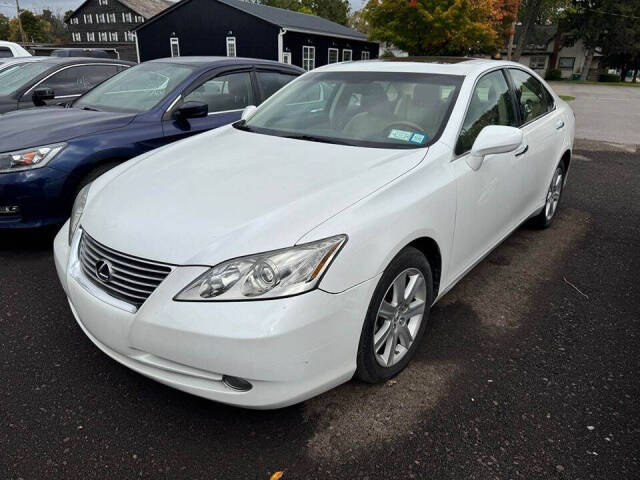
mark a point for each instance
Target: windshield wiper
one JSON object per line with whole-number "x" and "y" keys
{"x": 90, "y": 109}
{"x": 312, "y": 138}
{"x": 242, "y": 125}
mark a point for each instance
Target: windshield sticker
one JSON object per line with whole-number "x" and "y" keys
{"x": 418, "y": 138}
{"x": 400, "y": 135}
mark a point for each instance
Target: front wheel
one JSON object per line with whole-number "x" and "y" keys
{"x": 396, "y": 318}
{"x": 554, "y": 194}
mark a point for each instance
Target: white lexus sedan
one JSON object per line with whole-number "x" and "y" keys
{"x": 268, "y": 261}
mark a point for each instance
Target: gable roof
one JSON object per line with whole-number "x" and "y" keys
{"x": 282, "y": 18}
{"x": 146, "y": 8}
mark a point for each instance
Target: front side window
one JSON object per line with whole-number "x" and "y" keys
{"x": 77, "y": 80}
{"x": 533, "y": 99}
{"x": 347, "y": 55}
{"x": 491, "y": 104}
{"x": 15, "y": 77}
{"x": 271, "y": 82}
{"x": 308, "y": 58}
{"x": 137, "y": 89}
{"x": 231, "y": 46}
{"x": 333, "y": 55}
{"x": 371, "y": 109}
{"x": 224, "y": 93}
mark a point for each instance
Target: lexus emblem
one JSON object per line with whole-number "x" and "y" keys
{"x": 103, "y": 270}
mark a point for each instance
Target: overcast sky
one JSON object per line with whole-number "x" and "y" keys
{"x": 8, "y": 6}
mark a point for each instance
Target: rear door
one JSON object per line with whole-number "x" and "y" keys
{"x": 226, "y": 93}
{"x": 543, "y": 130}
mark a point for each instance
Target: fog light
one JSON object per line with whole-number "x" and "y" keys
{"x": 9, "y": 209}
{"x": 235, "y": 383}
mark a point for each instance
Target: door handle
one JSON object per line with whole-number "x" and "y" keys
{"x": 559, "y": 124}
{"x": 521, "y": 150}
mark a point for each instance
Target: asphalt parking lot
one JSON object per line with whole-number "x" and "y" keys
{"x": 529, "y": 369}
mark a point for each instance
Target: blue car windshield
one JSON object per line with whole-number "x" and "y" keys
{"x": 137, "y": 89}
{"x": 15, "y": 77}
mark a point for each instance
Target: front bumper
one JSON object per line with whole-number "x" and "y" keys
{"x": 289, "y": 349}
{"x": 39, "y": 195}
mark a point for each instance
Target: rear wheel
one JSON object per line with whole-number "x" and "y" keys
{"x": 554, "y": 194}
{"x": 396, "y": 318}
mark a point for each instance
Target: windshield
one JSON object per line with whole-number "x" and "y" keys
{"x": 137, "y": 89}
{"x": 16, "y": 76}
{"x": 374, "y": 109}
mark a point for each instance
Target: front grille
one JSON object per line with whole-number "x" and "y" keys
{"x": 131, "y": 279}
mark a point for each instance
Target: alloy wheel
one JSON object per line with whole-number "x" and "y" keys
{"x": 399, "y": 317}
{"x": 553, "y": 195}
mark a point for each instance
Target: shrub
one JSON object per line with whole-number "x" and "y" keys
{"x": 609, "y": 77}
{"x": 554, "y": 75}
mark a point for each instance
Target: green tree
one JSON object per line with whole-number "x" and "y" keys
{"x": 4, "y": 27}
{"x": 334, "y": 10}
{"x": 67, "y": 15}
{"x": 433, "y": 27}
{"x": 537, "y": 12}
{"x": 34, "y": 27}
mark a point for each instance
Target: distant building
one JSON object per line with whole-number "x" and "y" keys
{"x": 549, "y": 49}
{"x": 244, "y": 29}
{"x": 110, "y": 24}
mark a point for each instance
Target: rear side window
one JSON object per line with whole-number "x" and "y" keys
{"x": 491, "y": 104}
{"x": 223, "y": 93}
{"x": 78, "y": 80}
{"x": 534, "y": 100}
{"x": 5, "y": 52}
{"x": 271, "y": 82}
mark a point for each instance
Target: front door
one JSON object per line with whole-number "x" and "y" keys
{"x": 486, "y": 206}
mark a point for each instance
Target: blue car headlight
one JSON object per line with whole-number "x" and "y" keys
{"x": 29, "y": 158}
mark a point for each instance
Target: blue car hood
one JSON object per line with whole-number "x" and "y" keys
{"x": 43, "y": 126}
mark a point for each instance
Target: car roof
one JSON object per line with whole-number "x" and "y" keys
{"x": 435, "y": 65}
{"x": 221, "y": 61}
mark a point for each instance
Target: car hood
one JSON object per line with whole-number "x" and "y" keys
{"x": 228, "y": 193}
{"x": 35, "y": 127}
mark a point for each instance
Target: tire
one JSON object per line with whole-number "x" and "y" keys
{"x": 552, "y": 201}
{"x": 376, "y": 365}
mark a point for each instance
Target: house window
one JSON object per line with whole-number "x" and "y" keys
{"x": 347, "y": 55}
{"x": 103, "y": 3}
{"x": 126, "y": 17}
{"x": 538, "y": 62}
{"x": 308, "y": 58}
{"x": 113, "y": 36}
{"x": 286, "y": 57}
{"x": 175, "y": 47}
{"x": 88, "y": 18}
{"x": 74, "y": 21}
{"x": 567, "y": 63}
{"x": 231, "y": 47}
{"x": 102, "y": 36}
{"x": 100, "y": 18}
{"x": 129, "y": 37}
{"x": 139, "y": 19}
{"x": 91, "y": 37}
{"x": 365, "y": 55}
{"x": 112, "y": 16}
{"x": 333, "y": 55}
{"x": 76, "y": 37}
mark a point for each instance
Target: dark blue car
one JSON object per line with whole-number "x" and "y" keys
{"x": 48, "y": 155}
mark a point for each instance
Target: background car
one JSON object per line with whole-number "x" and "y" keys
{"x": 10, "y": 50}
{"x": 52, "y": 80}
{"x": 311, "y": 243}
{"x": 142, "y": 108}
{"x": 80, "y": 52}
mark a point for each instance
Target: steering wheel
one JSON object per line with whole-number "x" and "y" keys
{"x": 403, "y": 123}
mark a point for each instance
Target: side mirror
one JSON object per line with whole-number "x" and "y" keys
{"x": 492, "y": 140}
{"x": 40, "y": 95}
{"x": 246, "y": 113}
{"x": 191, "y": 110}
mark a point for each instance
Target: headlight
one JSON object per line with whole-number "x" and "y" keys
{"x": 267, "y": 275}
{"x": 76, "y": 211}
{"x": 29, "y": 158}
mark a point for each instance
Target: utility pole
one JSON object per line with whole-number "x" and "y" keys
{"x": 22, "y": 34}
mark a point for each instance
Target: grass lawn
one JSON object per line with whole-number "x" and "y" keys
{"x": 567, "y": 98}
{"x": 604, "y": 84}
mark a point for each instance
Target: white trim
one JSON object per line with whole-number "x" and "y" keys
{"x": 281, "y": 35}
{"x": 173, "y": 41}
{"x": 345, "y": 50}
{"x": 325, "y": 34}
{"x": 311, "y": 49}
{"x": 337, "y": 52}
{"x": 286, "y": 58}
{"x": 362, "y": 55}
{"x": 135, "y": 37}
{"x": 231, "y": 42}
